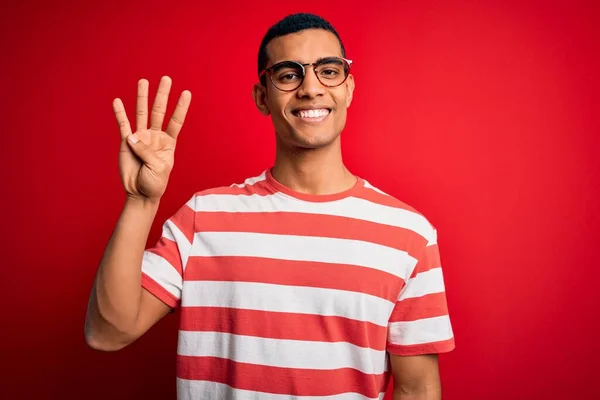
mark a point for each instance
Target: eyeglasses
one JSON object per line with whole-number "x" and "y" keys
{"x": 289, "y": 75}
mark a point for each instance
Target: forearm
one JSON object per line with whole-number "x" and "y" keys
{"x": 115, "y": 298}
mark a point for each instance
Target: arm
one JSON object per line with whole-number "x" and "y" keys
{"x": 119, "y": 309}
{"x": 419, "y": 328}
{"x": 416, "y": 377}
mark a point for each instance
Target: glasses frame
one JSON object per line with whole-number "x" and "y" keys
{"x": 304, "y": 67}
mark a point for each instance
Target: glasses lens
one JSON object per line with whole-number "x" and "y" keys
{"x": 287, "y": 75}
{"x": 332, "y": 71}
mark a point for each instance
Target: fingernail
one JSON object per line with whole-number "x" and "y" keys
{"x": 133, "y": 139}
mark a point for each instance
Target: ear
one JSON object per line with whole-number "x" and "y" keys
{"x": 259, "y": 93}
{"x": 350, "y": 88}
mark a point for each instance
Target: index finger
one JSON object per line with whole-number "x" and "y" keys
{"x": 121, "y": 117}
{"x": 178, "y": 118}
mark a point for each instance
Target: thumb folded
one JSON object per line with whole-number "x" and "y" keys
{"x": 138, "y": 147}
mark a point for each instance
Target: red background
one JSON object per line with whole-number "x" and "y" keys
{"x": 482, "y": 115}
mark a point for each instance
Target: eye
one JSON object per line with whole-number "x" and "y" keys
{"x": 287, "y": 72}
{"x": 288, "y": 77}
{"x": 329, "y": 72}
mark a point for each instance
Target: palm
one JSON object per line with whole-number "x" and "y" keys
{"x": 146, "y": 165}
{"x": 147, "y": 179}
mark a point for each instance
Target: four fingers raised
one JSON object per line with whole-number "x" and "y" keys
{"x": 158, "y": 110}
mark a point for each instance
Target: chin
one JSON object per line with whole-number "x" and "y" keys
{"x": 312, "y": 140}
{"x": 295, "y": 131}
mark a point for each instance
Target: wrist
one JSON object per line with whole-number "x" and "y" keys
{"x": 142, "y": 203}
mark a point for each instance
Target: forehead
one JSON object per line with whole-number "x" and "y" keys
{"x": 304, "y": 46}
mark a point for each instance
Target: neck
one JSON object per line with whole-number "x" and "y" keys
{"x": 318, "y": 171}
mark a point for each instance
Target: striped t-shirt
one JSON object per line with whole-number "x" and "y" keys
{"x": 286, "y": 295}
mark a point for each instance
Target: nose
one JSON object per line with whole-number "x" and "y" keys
{"x": 310, "y": 87}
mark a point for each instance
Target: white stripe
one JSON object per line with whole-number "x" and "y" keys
{"x": 427, "y": 282}
{"x": 292, "y": 299}
{"x": 160, "y": 270}
{"x": 350, "y": 207}
{"x": 283, "y": 353}
{"x": 369, "y": 186}
{"x": 166, "y": 231}
{"x": 194, "y": 390}
{"x": 433, "y": 238}
{"x": 172, "y": 232}
{"x": 251, "y": 181}
{"x": 426, "y": 330}
{"x": 191, "y": 202}
{"x": 304, "y": 248}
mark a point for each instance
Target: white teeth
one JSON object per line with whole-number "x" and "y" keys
{"x": 313, "y": 113}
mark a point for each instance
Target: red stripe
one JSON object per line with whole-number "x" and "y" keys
{"x": 315, "y": 225}
{"x": 158, "y": 291}
{"x": 168, "y": 250}
{"x": 429, "y": 259}
{"x": 442, "y": 346}
{"x": 280, "y": 325}
{"x": 260, "y": 188}
{"x": 290, "y": 381}
{"x": 184, "y": 219}
{"x": 296, "y": 273}
{"x": 414, "y": 308}
{"x": 384, "y": 200}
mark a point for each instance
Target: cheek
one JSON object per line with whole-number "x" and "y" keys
{"x": 342, "y": 102}
{"x": 342, "y": 98}
{"x": 341, "y": 117}
{"x": 277, "y": 107}
{"x": 278, "y": 118}
{"x": 275, "y": 98}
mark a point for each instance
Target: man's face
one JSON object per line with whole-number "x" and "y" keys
{"x": 295, "y": 128}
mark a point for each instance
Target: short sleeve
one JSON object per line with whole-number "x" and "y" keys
{"x": 163, "y": 265}
{"x": 420, "y": 322}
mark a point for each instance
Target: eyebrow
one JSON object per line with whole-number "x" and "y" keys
{"x": 282, "y": 64}
{"x": 328, "y": 58}
{"x": 320, "y": 59}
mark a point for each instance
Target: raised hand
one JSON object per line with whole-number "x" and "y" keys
{"x": 146, "y": 157}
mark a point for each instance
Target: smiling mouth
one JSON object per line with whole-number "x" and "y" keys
{"x": 314, "y": 115}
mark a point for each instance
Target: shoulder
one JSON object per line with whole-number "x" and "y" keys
{"x": 254, "y": 185}
{"x": 405, "y": 214}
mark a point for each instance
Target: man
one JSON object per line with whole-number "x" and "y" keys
{"x": 304, "y": 281}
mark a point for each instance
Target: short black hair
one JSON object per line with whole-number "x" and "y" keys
{"x": 291, "y": 24}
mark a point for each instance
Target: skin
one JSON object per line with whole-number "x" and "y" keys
{"x": 119, "y": 309}
{"x": 308, "y": 160}
{"x": 308, "y": 157}
{"x": 416, "y": 377}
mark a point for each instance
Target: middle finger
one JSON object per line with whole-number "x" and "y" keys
{"x": 159, "y": 108}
